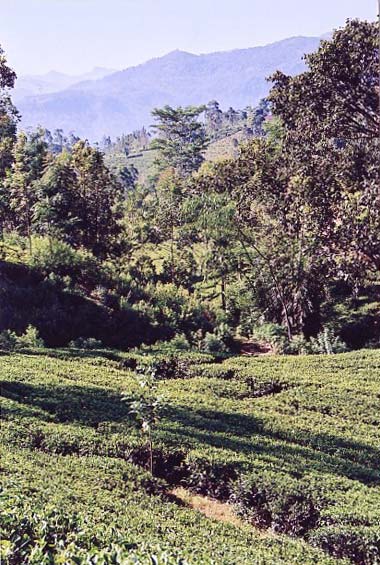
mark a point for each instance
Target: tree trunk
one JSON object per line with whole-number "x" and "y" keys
{"x": 223, "y": 293}
{"x": 150, "y": 444}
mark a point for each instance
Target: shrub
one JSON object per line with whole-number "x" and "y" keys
{"x": 128, "y": 363}
{"x": 273, "y": 334}
{"x": 299, "y": 345}
{"x": 328, "y": 343}
{"x": 28, "y": 297}
{"x": 71, "y": 266}
{"x": 213, "y": 344}
{"x": 223, "y": 332}
{"x": 170, "y": 367}
{"x": 8, "y": 340}
{"x": 325, "y": 343}
{"x": 210, "y": 478}
{"x": 86, "y": 343}
{"x": 214, "y": 371}
{"x": 33, "y": 538}
{"x": 55, "y": 535}
{"x": 359, "y": 544}
{"x": 180, "y": 341}
{"x": 257, "y": 388}
{"x": 30, "y": 338}
{"x": 173, "y": 310}
{"x": 268, "y": 501}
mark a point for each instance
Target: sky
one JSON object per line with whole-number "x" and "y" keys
{"x": 73, "y": 36}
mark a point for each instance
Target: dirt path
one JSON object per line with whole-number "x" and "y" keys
{"x": 213, "y": 509}
{"x": 209, "y": 507}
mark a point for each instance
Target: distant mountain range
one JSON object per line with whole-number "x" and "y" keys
{"x": 110, "y": 103}
{"x": 34, "y": 85}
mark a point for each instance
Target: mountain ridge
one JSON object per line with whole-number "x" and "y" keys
{"x": 123, "y": 100}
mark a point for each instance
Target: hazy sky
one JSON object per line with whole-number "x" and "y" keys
{"x": 73, "y": 36}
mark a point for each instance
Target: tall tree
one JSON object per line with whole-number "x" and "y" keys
{"x": 55, "y": 212}
{"x": 270, "y": 220}
{"x": 8, "y": 115}
{"x": 8, "y": 129}
{"x": 29, "y": 156}
{"x": 337, "y": 97}
{"x": 331, "y": 121}
{"x": 99, "y": 199}
{"x": 168, "y": 214}
{"x": 181, "y": 139}
{"x": 214, "y": 116}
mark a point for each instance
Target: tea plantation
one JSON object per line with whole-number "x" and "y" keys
{"x": 293, "y": 443}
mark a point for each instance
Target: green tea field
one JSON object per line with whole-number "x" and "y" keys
{"x": 291, "y": 445}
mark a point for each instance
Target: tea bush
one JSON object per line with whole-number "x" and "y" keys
{"x": 360, "y": 544}
{"x": 97, "y": 510}
{"x": 292, "y": 441}
{"x": 284, "y": 506}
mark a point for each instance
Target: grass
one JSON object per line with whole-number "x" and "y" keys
{"x": 300, "y": 459}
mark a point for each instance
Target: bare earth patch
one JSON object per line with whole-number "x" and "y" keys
{"x": 213, "y": 509}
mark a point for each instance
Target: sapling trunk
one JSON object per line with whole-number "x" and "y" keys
{"x": 150, "y": 445}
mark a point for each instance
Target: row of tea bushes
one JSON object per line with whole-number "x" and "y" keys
{"x": 261, "y": 451}
{"x": 98, "y": 510}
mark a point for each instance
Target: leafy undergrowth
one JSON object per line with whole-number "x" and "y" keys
{"x": 292, "y": 443}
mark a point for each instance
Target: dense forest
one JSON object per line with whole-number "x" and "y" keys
{"x": 278, "y": 243}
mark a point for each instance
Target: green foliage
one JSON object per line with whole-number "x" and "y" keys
{"x": 327, "y": 342}
{"x": 30, "y": 338}
{"x": 182, "y": 140}
{"x": 274, "y": 334}
{"x": 331, "y": 119}
{"x": 179, "y": 342}
{"x": 57, "y": 212}
{"x": 298, "y": 434}
{"x": 65, "y": 307}
{"x": 8, "y": 124}
{"x": 339, "y": 87}
{"x": 213, "y": 344}
{"x": 267, "y": 501}
{"x": 74, "y": 268}
{"x": 29, "y": 156}
{"x": 10, "y": 341}
{"x": 147, "y": 407}
{"x": 279, "y": 243}
{"x": 86, "y": 343}
{"x": 299, "y": 345}
{"x": 359, "y": 544}
{"x": 70, "y": 196}
{"x": 285, "y": 231}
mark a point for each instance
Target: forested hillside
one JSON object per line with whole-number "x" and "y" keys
{"x": 277, "y": 244}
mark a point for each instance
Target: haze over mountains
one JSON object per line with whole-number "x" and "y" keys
{"x": 110, "y": 103}
{"x": 31, "y": 85}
